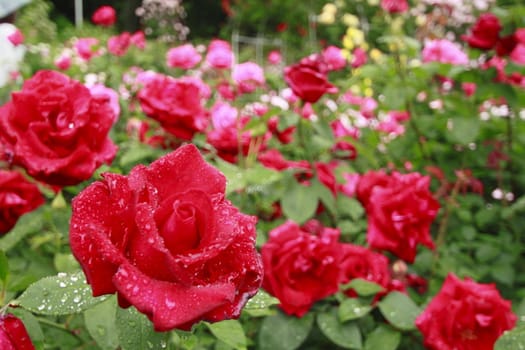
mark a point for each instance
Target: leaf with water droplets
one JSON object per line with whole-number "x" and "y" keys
{"x": 229, "y": 332}
{"x": 363, "y": 287}
{"x": 62, "y": 294}
{"x": 353, "y": 308}
{"x": 261, "y": 300}
{"x": 100, "y": 323}
{"x": 513, "y": 339}
{"x": 383, "y": 338}
{"x": 399, "y": 310}
{"x": 281, "y": 332}
{"x": 135, "y": 331}
{"x": 345, "y": 335}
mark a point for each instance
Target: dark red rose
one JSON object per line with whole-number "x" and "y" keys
{"x": 400, "y": 210}
{"x": 300, "y": 267}
{"x": 506, "y": 45}
{"x": 465, "y": 315}
{"x": 166, "y": 240}
{"x": 104, "y": 16}
{"x": 176, "y": 104}
{"x": 360, "y": 262}
{"x": 13, "y": 334}
{"x": 485, "y": 32}
{"x": 394, "y": 6}
{"x": 56, "y": 129}
{"x": 17, "y": 197}
{"x": 308, "y": 82}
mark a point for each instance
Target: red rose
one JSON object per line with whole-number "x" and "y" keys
{"x": 167, "y": 241}
{"x": 300, "y": 267}
{"x": 17, "y": 197}
{"x": 104, "y": 16}
{"x": 360, "y": 262}
{"x": 308, "y": 82}
{"x": 56, "y": 129}
{"x": 394, "y": 6}
{"x": 485, "y": 32}
{"x": 465, "y": 315}
{"x": 400, "y": 210}
{"x": 176, "y": 104}
{"x": 13, "y": 334}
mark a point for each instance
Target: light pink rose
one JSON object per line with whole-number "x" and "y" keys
{"x": 184, "y": 56}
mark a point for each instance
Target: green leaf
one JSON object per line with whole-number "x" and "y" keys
{"x": 261, "y": 300}
{"x": 63, "y": 294}
{"x": 299, "y": 203}
{"x": 345, "y": 335}
{"x": 383, "y": 338}
{"x": 4, "y": 267}
{"x": 229, "y": 332}
{"x": 399, "y": 310}
{"x": 100, "y": 323}
{"x": 513, "y": 339}
{"x": 363, "y": 287}
{"x": 350, "y": 206}
{"x": 135, "y": 331}
{"x": 353, "y": 308}
{"x": 26, "y": 225}
{"x": 234, "y": 175}
{"x": 137, "y": 152}
{"x": 66, "y": 262}
{"x": 325, "y": 195}
{"x": 281, "y": 332}
{"x": 464, "y": 130}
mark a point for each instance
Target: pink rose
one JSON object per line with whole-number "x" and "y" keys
{"x": 86, "y": 48}
{"x": 219, "y": 54}
{"x": 118, "y": 44}
{"x": 165, "y": 239}
{"x": 248, "y": 76}
{"x": 103, "y": 92}
{"x": 394, "y": 6}
{"x": 275, "y": 57}
{"x": 334, "y": 58}
{"x": 444, "y": 51}
{"x": 465, "y": 315}
{"x": 138, "y": 39}
{"x": 184, "y": 56}
{"x": 104, "y": 16}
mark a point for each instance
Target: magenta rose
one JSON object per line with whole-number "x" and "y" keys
{"x": 17, "y": 197}
{"x": 118, "y": 45}
{"x": 13, "y": 334}
{"x": 308, "y": 81}
{"x": 56, "y": 129}
{"x": 104, "y": 16}
{"x": 394, "y": 6}
{"x": 220, "y": 54}
{"x": 400, "y": 210}
{"x": 485, "y": 32}
{"x": 176, "y": 104}
{"x": 166, "y": 240}
{"x": 465, "y": 315}
{"x": 301, "y": 266}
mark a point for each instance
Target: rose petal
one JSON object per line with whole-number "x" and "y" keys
{"x": 169, "y": 305}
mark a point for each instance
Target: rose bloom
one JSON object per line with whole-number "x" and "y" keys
{"x": 17, "y": 197}
{"x": 16, "y": 38}
{"x": 465, "y": 315}
{"x": 308, "y": 82}
{"x": 12, "y": 53}
{"x": 103, "y": 92}
{"x": 444, "y": 51}
{"x": 394, "y": 6}
{"x": 85, "y": 48}
{"x": 184, "y": 56}
{"x": 275, "y": 57}
{"x": 166, "y": 240}
{"x": 138, "y": 39}
{"x": 248, "y": 76}
{"x": 176, "y": 104}
{"x": 400, "y": 210}
{"x": 13, "y": 334}
{"x": 333, "y": 57}
{"x": 485, "y": 32}
{"x": 360, "y": 262}
{"x": 219, "y": 54}
{"x": 358, "y": 57}
{"x": 56, "y": 129}
{"x": 118, "y": 44}
{"x": 301, "y": 266}
{"x": 104, "y": 16}
{"x": 63, "y": 62}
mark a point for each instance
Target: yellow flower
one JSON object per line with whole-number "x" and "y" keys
{"x": 376, "y": 55}
{"x": 326, "y": 18}
{"x": 357, "y": 35}
{"x": 354, "y": 89}
{"x": 373, "y": 2}
{"x": 368, "y": 92}
{"x": 350, "y": 20}
{"x": 330, "y": 8}
{"x": 348, "y": 43}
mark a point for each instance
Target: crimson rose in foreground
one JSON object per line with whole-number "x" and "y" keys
{"x": 308, "y": 80}
{"x": 465, "y": 315}
{"x": 17, "y": 197}
{"x": 13, "y": 334}
{"x": 400, "y": 210}
{"x": 56, "y": 129}
{"x": 166, "y": 240}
